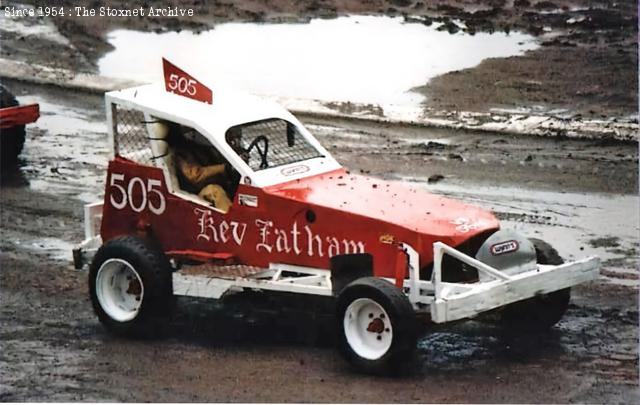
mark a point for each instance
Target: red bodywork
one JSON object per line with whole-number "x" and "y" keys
{"x": 303, "y": 222}
{"x": 18, "y": 115}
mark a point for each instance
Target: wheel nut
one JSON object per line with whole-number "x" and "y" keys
{"x": 382, "y": 316}
{"x": 379, "y": 337}
{"x": 386, "y": 329}
{"x": 370, "y": 315}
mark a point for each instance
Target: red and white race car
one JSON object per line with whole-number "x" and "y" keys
{"x": 296, "y": 221}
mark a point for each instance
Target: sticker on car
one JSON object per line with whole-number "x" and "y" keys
{"x": 504, "y": 247}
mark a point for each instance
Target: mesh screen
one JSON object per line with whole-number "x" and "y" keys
{"x": 278, "y": 152}
{"x": 131, "y": 138}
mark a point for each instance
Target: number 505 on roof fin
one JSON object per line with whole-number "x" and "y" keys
{"x": 180, "y": 82}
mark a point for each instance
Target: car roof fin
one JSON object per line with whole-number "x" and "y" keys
{"x": 182, "y": 83}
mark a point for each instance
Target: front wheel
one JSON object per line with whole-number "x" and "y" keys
{"x": 130, "y": 284}
{"x": 541, "y": 312}
{"x": 377, "y": 326}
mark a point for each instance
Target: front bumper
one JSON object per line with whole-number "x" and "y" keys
{"x": 453, "y": 304}
{"x": 454, "y": 301}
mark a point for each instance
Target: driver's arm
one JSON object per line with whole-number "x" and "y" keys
{"x": 196, "y": 173}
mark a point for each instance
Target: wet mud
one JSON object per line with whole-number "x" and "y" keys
{"x": 579, "y": 195}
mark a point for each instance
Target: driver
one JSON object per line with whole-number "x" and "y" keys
{"x": 201, "y": 171}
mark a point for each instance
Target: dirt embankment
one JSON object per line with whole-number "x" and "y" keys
{"x": 586, "y": 66}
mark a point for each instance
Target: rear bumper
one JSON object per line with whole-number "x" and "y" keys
{"x": 85, "y": 250}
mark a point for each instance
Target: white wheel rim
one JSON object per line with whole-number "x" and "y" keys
{"x": 367, "y": 328}
{"x": 119, "y": 290}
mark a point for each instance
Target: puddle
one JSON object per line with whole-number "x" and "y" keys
{"x": 361, "y": 59}
{"x": 57, "y": 249}
{"x": 66, "y": 150}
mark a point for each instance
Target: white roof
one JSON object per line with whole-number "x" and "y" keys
{"x": 229, "y": 107}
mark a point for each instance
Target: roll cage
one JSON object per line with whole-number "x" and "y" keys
{"x": 130, "y": 111}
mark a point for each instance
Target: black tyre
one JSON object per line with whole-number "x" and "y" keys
{"x": 130, "y": 284}
{"x": 377, "y": 326}
{"x": 542, "y": 312}
{"x": 11, "y": 139}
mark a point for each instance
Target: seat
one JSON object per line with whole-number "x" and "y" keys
{"x": 158, "y": 133}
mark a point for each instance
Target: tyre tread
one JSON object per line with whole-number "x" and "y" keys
{"x": 526, "y": 315}
{"x": 154, "y": 268}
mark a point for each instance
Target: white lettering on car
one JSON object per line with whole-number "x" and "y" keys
{"x": 264, "y": 227}
{"x": 208, "y": 230}
{"x": 274, "y": 239}
{"x": 120, "y": 196}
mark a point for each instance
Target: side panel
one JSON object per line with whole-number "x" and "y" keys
{"x": 258, "y": 229}
{"x": 135, "y": 199}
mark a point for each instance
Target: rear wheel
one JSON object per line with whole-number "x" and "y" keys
{"x": 11, "y": 139}
{"x": 541, "y": 312}
{"x": 377, "y": 326}
{"x": 130, "y": 286}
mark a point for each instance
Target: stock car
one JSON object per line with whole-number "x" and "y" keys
{"x": 386, "y": 254}
{"x": 13, "y": 118}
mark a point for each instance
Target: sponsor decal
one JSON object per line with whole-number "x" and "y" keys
{"x": 387, "y": 238}
{"x": 291, "y": 171}
{"x": 248, "y": 200}
{"x": 501, "y": 248}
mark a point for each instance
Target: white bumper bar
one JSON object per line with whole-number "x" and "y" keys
{"x": 453, "y": 301}
{"x": 85, "y": 250}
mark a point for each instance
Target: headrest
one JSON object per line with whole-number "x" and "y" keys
{"x": 158, "y": 132}
{"x": 159, "y": 129}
